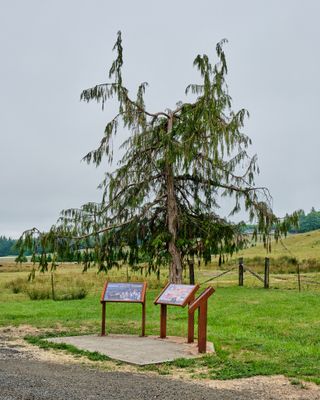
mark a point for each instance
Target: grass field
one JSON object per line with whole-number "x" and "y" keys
{"x": 303, "y": 248}
{"x": 301, "y": 245}
{"x": 255, "y": 331}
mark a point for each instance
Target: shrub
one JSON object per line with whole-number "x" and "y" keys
{"x": 74, "y": 294}
{"x": 39, "y": 293}
{"x": 40, "y": 289}
{"x": 45, "y": 293}
{"x": 17, "y": 286}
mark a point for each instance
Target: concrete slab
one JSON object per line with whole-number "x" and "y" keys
{"x": 135, "y": 349}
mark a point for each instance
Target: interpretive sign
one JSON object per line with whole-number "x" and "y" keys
{"x": 123, "y": 293}
{"x": 127, "y": 292}
{"x": 176, "y": 295}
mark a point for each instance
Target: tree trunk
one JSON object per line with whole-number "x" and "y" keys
{"x": 175, "y": 275}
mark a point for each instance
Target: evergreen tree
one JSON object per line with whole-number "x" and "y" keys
{"x": 161, "y": 204}
{"x": 7, "y": 246}
{"x": 307, "y": 222}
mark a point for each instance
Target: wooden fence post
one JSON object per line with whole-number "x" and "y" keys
{"x": 52, "y": 286}
{"x": 191, "y": 271}
{"x": 241, "y": 271}
{"x": 266, "y": 272}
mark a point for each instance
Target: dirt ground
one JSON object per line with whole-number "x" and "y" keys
{"x": 14, "y": 348}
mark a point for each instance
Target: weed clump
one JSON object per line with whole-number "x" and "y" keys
{"x": 17, "y": 286}
{"x": 41, "y": 289}
{"x": 36, "y": 293}
{"x": 74, "y": 294}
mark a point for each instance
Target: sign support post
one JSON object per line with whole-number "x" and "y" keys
{"x": 103, "y": 322}
{"x": 191, "y": 324}
{"x": 143, "y": 325}
{"x": 200, "y": 303}
{"x": 163, "y": 321}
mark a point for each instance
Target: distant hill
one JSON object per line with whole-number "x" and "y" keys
{"x": 301, "y": 245}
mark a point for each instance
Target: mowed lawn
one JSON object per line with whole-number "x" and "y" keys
{"x": 255, "y": 331}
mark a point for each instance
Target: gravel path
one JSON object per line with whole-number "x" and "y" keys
{"x": 31, "y": 380}
{"x": 24, "y": 378}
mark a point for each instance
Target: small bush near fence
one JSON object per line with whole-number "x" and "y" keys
{"x": 17, "y": 286}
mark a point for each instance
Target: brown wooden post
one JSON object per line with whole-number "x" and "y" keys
{"x": 191, "y": 324}
{"x": 202, "y": 324}
{"x": 191, "y": 271}
{"x": 198, "y": 326}
{"x": 163, "y": 321}
{"x": 191, "y": 328}
{"x": 52, "y": 286}
{"x": 241, "y": 271}
{"x": 143, "y": 327}
{"x": 201, "y": 304}
{"x": 103, "y": 322}
{"x": 266, "y": 272}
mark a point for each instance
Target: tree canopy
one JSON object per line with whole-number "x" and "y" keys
{"x": 160, "y": 204}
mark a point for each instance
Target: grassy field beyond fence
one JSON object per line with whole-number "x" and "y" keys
{"x": 302, "y": 248}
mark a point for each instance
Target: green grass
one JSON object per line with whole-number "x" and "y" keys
{"x": 255, "y": 331}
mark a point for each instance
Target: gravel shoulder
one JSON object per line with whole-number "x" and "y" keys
{"x": 29, "y": 373}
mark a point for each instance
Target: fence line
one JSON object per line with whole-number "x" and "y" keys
{"x": 254, "y": 274}
{"x": 217, "y": 276}
{"x": 266, "y": 278}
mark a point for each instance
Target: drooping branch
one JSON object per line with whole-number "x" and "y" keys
{"x": 217, "y": 184}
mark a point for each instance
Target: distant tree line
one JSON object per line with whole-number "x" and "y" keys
{"x": 7, "y": 247}
{"x": 307, "y": 222}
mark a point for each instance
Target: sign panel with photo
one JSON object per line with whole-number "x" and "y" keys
{"x": 176, "y": 295}
{"x": 124, "y": 292}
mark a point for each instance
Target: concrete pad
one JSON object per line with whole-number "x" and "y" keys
{"x": 135, "y": 349}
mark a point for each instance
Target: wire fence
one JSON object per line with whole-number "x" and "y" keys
{"x": 263, "y": 276}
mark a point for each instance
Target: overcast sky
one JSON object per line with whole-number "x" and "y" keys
{"x": 51, "y": 50}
